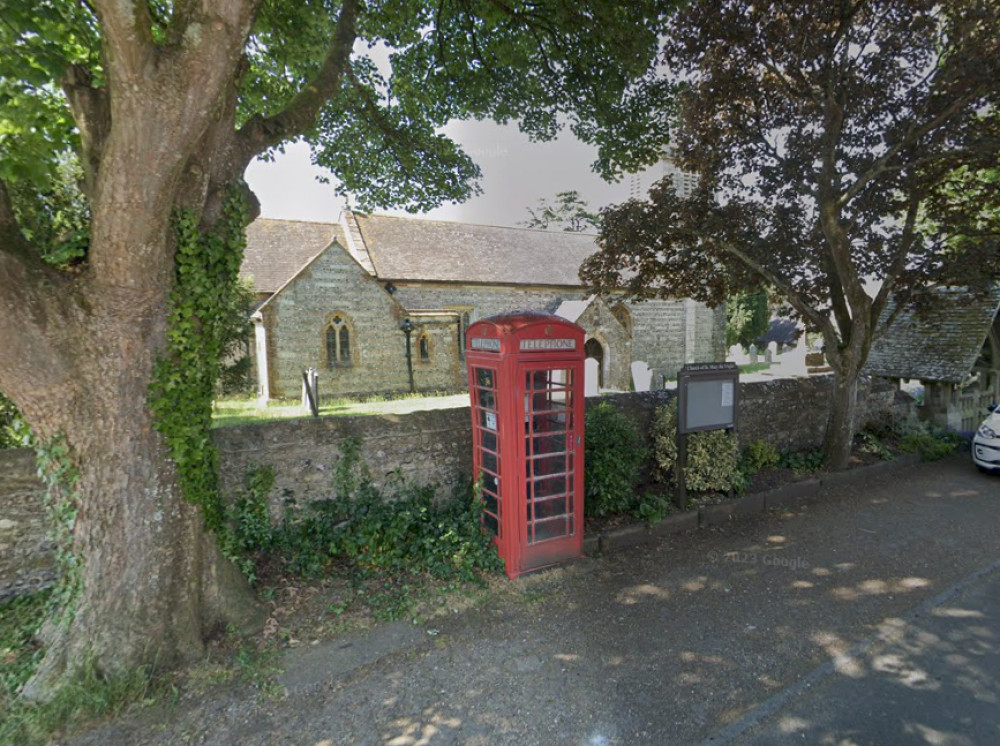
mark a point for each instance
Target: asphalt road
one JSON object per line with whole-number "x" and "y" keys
{"x": 931, "y": 677}
{"x": 869, "y": 616}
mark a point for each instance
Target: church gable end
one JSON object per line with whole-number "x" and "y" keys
{"x": 335, "y": 317}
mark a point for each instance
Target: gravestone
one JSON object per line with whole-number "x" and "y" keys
{"x": 591, "y": 376}
{"x": 641, "y": 375}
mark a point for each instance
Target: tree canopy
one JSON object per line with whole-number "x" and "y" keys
{"x": 368, "y": 86}
{"x": 747, "y": 318}
{"x": 843, "y": 151}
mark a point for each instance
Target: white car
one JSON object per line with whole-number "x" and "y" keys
{"x": 986, "y": 443}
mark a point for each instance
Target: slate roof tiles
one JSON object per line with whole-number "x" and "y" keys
{"x": 941, "y": 346}
{"x": 438, "y": 251}
{"x": 278, "y": 249}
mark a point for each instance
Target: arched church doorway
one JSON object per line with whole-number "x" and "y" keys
{"x": 594, "y": 349}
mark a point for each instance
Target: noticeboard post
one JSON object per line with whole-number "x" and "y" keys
{"x": 708, "y": 399}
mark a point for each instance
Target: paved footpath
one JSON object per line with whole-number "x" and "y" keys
{"x": 871, "y": 615}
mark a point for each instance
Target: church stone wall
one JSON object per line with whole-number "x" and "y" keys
{"x": 665, "y": 333}
{"x": 601, "y": 324}
{"x": 658, "y": 328}
{"x": 661, "y": 334}
{"x": 296, "y": 320}
{"x": 484, "y": 300}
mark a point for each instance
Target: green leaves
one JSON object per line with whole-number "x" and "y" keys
{"x": 569, "y": 212}
{"x": 389, "y": 156}
{"x": 417, "y": 66}
{"x": 613, "y": 457}
{"x": 394, "y": 534}
{"x": 713, "y": 455}
{"x": 10, "y": 418}
{"x": 414, "y": 67}
{"x": 41, "y": 40}
{"x": 206, "y": 315}
{"x": 747, "y": 318}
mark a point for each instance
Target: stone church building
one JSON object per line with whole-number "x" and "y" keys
{"x": 336, "y": 297}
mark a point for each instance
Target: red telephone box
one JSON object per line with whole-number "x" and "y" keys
{"x": 526, "y": 385}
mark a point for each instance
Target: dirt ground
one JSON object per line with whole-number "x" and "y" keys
{"x": 659, "y": 644}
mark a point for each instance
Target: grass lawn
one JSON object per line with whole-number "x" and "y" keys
{"x": 246, "y": 411}
{"x": 754, "y": 367}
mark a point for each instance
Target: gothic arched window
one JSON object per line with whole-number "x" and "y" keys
{"x": 338, "y": 341}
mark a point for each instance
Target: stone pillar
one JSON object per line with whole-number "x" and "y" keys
{"x": 690, "y": 330}
{"x": 260, "y": 353}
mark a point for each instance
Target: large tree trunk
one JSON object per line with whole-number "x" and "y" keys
{"x": 79, "y": 348}
{"x": 841, "y": 421}
{"x": 153, "y": 585}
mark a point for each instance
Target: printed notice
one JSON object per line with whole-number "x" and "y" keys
{"x": 727, "y": 395}
{"x": 491, "y": 420}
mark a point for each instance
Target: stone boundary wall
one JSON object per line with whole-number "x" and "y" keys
{"x": 429, "y": 447}
{"x": 26, "y": 551}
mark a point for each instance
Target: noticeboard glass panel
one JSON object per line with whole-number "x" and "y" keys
{"x": 710, "y": 404}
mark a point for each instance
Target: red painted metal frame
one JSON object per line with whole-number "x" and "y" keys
{"x": 526, "y": 391}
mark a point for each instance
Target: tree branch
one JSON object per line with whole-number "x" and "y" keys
{"x": 34, "y": 300}
{"x": 898, "y": 262}
{"x": 92, "y": 112}
{"x": 838, "y": 303}
{"x": 11, "y": 237}
{"x": 795, "y": 299}
{"x": 128, "y": 40}
{"x": 261, "y": 133}
{"x": 881, "y": 165}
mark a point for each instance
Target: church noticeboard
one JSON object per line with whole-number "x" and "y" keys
{"x": 708, "y": 397}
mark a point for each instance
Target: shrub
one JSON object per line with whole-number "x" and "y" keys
{"x": 931, "y": 445}
{"x": 247, "y": 530}
{"x": 10, "y": 419}
{"x": 712, "y": 455}
{"x": 872, "y": 444}
{"x": 917, "y": 436}
{"x": 758, "y": 455}
{"x": 20, "y": 619}
{"x": 653, "y": 507}
{"x": 802, "y": 461}
{"x": 613, "y": 458}
{"x": 401, "y": 529}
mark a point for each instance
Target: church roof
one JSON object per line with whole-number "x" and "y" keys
{"x": 573, "y": 309}
{"x": 940, "y": 346}
{"x": 437, "y": 251}
{"x": 277, "y": 249}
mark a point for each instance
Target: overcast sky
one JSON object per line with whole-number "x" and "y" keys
{"x": 516, "y": 174}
